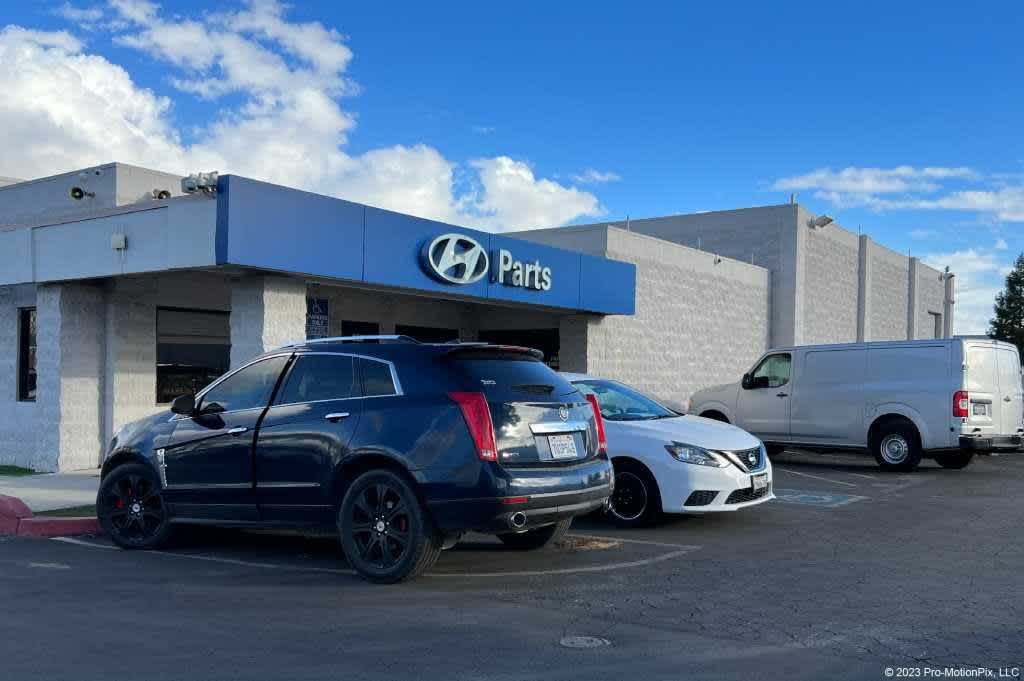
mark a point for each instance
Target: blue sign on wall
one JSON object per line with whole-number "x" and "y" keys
{"x": 272, "y": 227}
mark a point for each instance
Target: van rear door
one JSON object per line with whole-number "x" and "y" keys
{"x": 1011, "y": 396}
{"x": 981, "y": 380}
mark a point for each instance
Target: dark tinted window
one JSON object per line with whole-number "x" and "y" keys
{"x": 27, "y": 354}
{"x": 249, "y": 388}
{"x": 515, "y": 378}
{"x": 193, "y": 348}
{"x": 319, "y": 377}
{"x": 376, "y": 378}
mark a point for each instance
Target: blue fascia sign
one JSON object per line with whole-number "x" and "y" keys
{"x": 461, "y": 259}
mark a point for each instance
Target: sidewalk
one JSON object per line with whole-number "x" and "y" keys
{"x": 49, "y": 491}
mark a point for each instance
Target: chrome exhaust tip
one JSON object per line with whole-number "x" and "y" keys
{"x": 517, "y": 520}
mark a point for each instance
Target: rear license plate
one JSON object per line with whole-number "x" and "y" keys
{"x": 562, "y": 446}
{"x": 758, "y": 482}
{"x": 980, "y": 409}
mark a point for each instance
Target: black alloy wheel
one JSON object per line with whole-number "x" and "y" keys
{"x": 131, "y": 508}
{"x": 635, "y": 501}
{"x": 384, "y": 531}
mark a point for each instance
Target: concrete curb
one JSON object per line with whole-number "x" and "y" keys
{"x": 16, "y": 519}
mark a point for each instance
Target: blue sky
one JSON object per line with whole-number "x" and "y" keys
{"x": 901, "y": 119}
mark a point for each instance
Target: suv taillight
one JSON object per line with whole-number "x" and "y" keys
{"x": 478, "y": 418}
{"x": 961, "y": 404}
{"x": 602, "y": 441}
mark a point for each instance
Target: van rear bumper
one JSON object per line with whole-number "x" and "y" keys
{"x": 991, "y": 443}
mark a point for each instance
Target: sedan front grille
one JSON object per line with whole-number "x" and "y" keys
{"x": 753, "y": 459}
{"x": 746, "y": 494}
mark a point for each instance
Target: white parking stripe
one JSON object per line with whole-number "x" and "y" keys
{"x": 816, "y": 477}
{"x": 861, "y": 475}
{"x": 681, "y": 550}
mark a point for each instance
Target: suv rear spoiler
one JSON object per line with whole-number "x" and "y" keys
{"x": 487, "y": 349}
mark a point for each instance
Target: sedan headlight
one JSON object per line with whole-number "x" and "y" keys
{"x": 695, "y": 455}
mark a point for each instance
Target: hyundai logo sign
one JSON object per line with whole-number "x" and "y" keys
{"x": 457, "y": 259}
{"x": 460, "y": 259}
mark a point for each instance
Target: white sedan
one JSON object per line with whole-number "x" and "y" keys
{"x": 674, "y": 463}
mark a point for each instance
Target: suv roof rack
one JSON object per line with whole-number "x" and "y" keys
{"x": 355, "y": 339}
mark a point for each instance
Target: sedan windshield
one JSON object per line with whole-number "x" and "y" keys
{"x": 621, "y": 403}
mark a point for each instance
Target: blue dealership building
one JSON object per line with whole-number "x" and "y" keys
{"x": 122, "y": 287}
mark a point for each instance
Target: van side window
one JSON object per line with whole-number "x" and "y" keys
{"x": 772, "y": 372}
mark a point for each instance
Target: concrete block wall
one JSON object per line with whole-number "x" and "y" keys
{"x": 763, "y": 236}
{"x": 70, "y": 328}
{"x": 930, "y": 298}
{"x": 266, "y": 312}
{"x": 17, "y": 419}
{"x": 831, "y": 281}
{"x": 700, "y": 320}
{"x": 889, "y": 291}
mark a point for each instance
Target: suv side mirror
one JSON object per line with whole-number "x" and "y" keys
{"x": 184, "y": 404}
{"x": 745, "y": 383}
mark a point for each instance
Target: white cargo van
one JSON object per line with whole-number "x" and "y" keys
{"x": 902, "y": 400}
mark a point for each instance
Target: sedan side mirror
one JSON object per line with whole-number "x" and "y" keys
{"x": 184, "y": 405}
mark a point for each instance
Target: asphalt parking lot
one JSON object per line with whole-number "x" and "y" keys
{"x": 850, "y": 571}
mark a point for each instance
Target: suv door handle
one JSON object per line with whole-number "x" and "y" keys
{"x": 1007, "y": 399}
{"x": 782, "y": 394}
{"x": 334, "y": 417}
{"x": 237, "y": 431}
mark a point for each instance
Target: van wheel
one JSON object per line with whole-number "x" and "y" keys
{"x": 896, "y": 446}
{"x": 386, "y": 535}
{"x": 636, "y": 500}
{"x": 954, "y": 460}
{"x": 537, "y": 538}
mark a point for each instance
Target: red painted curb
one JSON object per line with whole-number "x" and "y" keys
{"x": 57, "y": 527}
{"x": 16, "y": 518}
{"x": 13, "y": 507}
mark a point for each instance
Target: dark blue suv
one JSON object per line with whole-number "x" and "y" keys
{"x": 403, "y": 446}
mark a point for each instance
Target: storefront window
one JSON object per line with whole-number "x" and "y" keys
{"x": 27, "y": 354}
{"x": 193, "y": 347}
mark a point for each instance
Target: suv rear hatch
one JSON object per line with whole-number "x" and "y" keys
{"x": 539, "y": 418}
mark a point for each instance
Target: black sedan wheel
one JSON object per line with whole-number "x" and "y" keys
{"x": 636, "y": 501}
{"x": 386, "y": 535}
{"x": 131, "y": 508}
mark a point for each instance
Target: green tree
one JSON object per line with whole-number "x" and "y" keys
{"x": 1008, "y": 324}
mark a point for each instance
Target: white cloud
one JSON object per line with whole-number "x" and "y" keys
{"x": 867, "y": 181}
{"x": 911, "y": 188}
{"x": 483, "y": 129}
{"x": 923, "y": 234}
{"x": 979, "y": 277}
{"x": 591, "y": 176}
{"x": 64, "y": 108}
{"x": 83, "y": 16}
{"x": 1001, "y": 245}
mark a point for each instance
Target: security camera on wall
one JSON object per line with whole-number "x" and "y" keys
{"x": 77, "y": 193}
{"x": 820, "y": 222}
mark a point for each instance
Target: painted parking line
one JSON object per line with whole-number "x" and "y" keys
{"x": 813, "y": 498}
{"x": 816, "y": 477}
{"x": 680, "y": 550}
